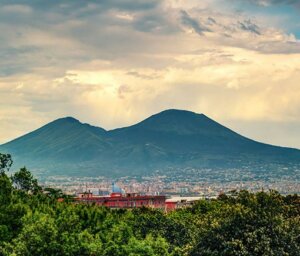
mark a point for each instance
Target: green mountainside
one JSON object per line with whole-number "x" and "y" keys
{"x": 170, "y": 139}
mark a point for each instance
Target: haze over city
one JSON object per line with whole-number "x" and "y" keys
{"x": 114, "y": 63}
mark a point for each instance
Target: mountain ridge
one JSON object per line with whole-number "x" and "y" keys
{"x": 169, "y": 139}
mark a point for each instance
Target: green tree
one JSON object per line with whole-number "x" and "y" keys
{"x": 37, "y": 238}
{"x": 5, "y": 200}
{"x": 248, "y": 224}
{"x": 24, "y": 180}
{"x": 147, "y": 247}
{"x": 5, "y": 162}
{"x": 5, "y": 190}
{"x": 54, "y": 193}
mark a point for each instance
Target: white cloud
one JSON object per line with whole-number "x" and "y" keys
{"x": 114, "y": 66}
{"x": 16, "y": 9}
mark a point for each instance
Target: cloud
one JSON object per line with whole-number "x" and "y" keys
{"x": 190, "y": 22}
{"x": 271, "y": 2}
{"x": 18, "y": 9}
{"x": 113, "y": 63}
{"x": 65, "y": 5}
{"x": 248, "y": 25}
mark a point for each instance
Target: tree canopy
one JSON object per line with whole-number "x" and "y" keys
{"x": 33, "y": 222}
{"x": 5, "y": 162}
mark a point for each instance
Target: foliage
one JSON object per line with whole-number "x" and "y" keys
{"x": 5, "y": 162}
{"x": 24, "y": 180}
{"x": 240, "y": 223}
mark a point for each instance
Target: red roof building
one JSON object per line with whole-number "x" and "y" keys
{"x": 119, "y": 200}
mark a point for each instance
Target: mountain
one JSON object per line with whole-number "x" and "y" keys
{"x": 170, "y": 139}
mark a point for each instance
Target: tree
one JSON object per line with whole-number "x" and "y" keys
{"x": 54, "y": 193}
{"x": 5, "y": 190}
{"x": 24, "y": 180}
{"x": 5, "y": 184}
{"x": 38, "y": 237}
{"x": 5, "y": 162}
{"x": 5, "y": 200}
{"x": 11, "y": 211}
{"x": 147, "y": 247}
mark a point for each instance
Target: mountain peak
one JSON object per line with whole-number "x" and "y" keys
{"x": 177, "y": 112}
{"x": 179, "y": 121}
{"x": 67, "y": 119}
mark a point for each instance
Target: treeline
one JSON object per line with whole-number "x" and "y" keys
{"x": 33, "y": 222}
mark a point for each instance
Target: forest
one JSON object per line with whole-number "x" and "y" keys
{"x": 34, "y": 222}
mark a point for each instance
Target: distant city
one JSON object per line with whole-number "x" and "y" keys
{"x": 206, "y": 183}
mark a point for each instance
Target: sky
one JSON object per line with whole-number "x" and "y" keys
{"x": 112, "y": 63}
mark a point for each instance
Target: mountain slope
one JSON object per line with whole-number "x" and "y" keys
{"x": 180, "y": 131}
{"x": 184, "y": 132}
{"x": 170, "y": 139}
{"x": 64, "y": 139}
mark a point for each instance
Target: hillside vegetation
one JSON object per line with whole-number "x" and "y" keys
{"x": 33, "y": 222}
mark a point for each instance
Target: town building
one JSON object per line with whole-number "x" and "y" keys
{"x": 119, "y": 199}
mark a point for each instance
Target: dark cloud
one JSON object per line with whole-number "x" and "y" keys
{"x": 273, "y": 2}
{"x": 248, "y": 25}
{"x": 211, "y": 20}
{"x": 51, "y": 36}
{"x": 154, "y": 22}
{"x": 76, "y": 31}
{"x": 15, "y": 60}
{"x": 58, "y": 11}
{"x": 67, "y": 5}
{"x": 188, "y": 21}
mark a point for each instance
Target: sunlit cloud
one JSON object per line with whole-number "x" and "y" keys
{"x": 116, "y": 62}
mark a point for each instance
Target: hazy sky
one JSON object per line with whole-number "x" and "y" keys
{"x": 112, "y": 63}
